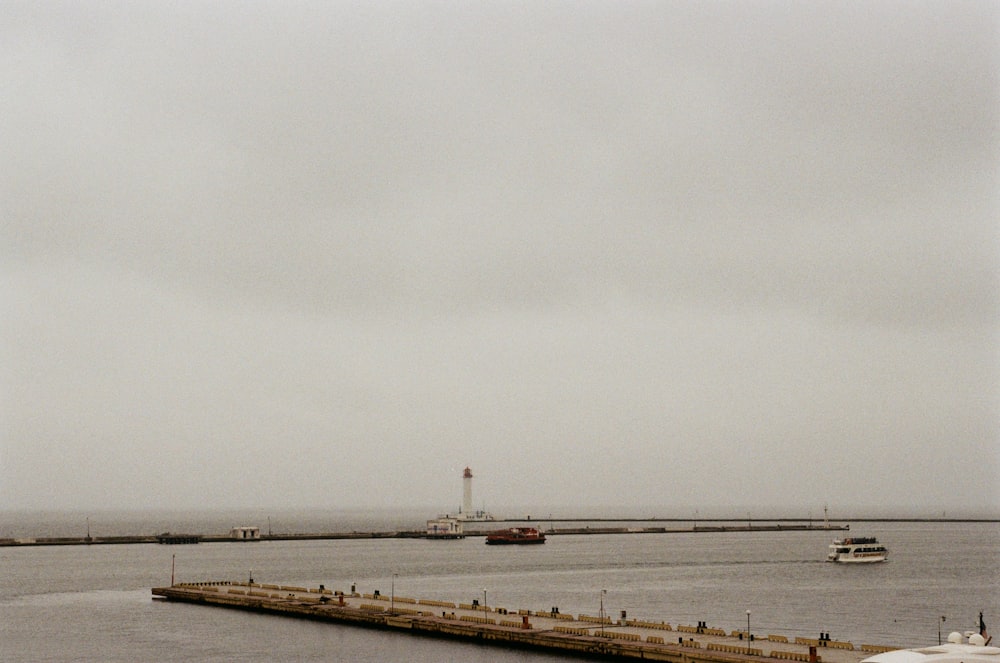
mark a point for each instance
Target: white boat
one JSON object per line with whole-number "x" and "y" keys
{"x": 857, "y": 550}
{"x": 958, "y": 649}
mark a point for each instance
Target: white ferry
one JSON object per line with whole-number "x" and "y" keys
{"x": 857, "y": 550}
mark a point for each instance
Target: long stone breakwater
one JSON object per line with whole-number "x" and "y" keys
{"x": 176, "y": 538}
{"x": 543, "y": 630}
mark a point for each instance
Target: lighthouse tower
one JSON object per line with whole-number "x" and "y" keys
{"x": 467, "y": 493}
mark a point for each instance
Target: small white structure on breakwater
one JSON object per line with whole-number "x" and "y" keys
{"x": 445, "y": 527}
{"x": 245, "y": 533}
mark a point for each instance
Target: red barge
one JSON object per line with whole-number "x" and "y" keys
{"x": 515, "y": 536}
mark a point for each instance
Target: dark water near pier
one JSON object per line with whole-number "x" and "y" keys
{"x": 92, "y": 603}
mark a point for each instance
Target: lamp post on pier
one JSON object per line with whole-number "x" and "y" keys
{"x": 748, "y": 632}
{"x": 484, "y": 602}
{"x": 603, "y": 592}
{"x": 392, "y": 594}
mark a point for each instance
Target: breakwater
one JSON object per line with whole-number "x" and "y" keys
{"x": 548, "y": 630}
{"x": 184, "y": 538}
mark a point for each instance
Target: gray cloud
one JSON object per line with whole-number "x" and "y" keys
{"x": 639, "y": 254}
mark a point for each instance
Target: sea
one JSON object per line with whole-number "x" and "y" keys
{"x": 93, "y": 603}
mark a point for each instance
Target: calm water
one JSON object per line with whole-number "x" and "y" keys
{"x": 93, "y": 603}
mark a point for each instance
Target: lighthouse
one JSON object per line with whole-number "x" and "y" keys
{"x": 466, "y": 511}
{"x": 467, "y": 493}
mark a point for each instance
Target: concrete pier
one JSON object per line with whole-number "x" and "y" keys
{"x": 545, "y": 630}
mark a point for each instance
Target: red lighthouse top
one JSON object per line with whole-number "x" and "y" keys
{"x": 467, "y": 474}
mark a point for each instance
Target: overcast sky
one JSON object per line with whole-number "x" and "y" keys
{"x": 686, "y": 254}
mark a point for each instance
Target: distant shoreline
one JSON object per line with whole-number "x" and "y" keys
{"x": 743, "y": 520}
